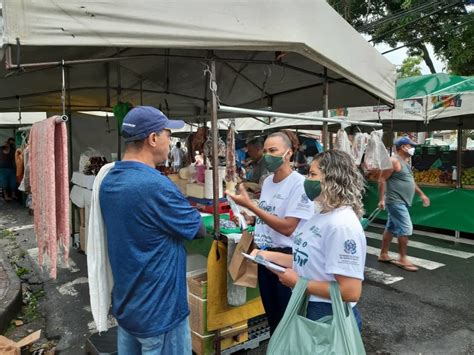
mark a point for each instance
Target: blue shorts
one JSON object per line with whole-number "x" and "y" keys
{"x": 174, "y": 342}
{"x": 398, "y": 221}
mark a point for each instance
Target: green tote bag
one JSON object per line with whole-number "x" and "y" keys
{"x": 337, "y": 334}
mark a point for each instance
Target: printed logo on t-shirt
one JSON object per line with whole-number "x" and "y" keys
{"x": 278, "y": 197}
{"x": 350, "y": 247}
{"x": 299, "y": 256}
{"x": 267, "y": 208}
{"x": 263, "y": 241}
{"x": 315, "y": 231}
{"x": 304, "y": 198}
{"x": 304, "y": 202}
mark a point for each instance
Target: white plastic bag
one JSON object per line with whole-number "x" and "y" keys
{"x": 376, "y": 155}
{"x": 342, "y": 142}
{"x": 359, "y": 145}
{"x": 84, "y": 159}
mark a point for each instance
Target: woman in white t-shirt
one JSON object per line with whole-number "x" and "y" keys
{"x": 283, "y": 203}
{"x": 331, "y": 246}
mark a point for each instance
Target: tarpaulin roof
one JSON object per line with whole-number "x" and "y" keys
{"x": 434, "y": 84}
{"x": 268, "y": 53}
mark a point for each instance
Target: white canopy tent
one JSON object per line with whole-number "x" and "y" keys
{"x": 15, "y": 119}
{"x": 292, "y": 57}
{"x": 267, "y": 53}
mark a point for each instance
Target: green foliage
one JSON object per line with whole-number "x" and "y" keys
{"x": 31, "y": 310}
{"x": 410, "y": 67}
{"x": 445, "y": 24}
{"x": 21, "y": 271}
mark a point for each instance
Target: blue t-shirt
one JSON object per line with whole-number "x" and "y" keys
{"x": 147, "y": 218}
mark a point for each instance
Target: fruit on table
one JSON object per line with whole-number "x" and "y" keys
{"x": 467, "y": 177}
{"x": 431, "y": 176}
{"x": 446, "y": 177}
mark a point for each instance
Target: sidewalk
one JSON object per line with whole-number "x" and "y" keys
{"x": 59, "y": 307}
{"x": 10, "y": 293}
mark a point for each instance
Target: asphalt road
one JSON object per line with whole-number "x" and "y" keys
{"x": 427, "y": 312}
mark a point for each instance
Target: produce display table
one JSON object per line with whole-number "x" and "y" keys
{"x": 451, "y": 208}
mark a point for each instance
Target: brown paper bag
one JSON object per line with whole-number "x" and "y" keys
{"x": 243, "y": 271}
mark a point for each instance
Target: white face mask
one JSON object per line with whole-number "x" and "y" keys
{"x": 411, "y": 151}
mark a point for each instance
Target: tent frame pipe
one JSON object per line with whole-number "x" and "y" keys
{"x": 325, "y": 110}
{"x": 260, "y": 113}
{"x": 10, "y": 66}
{"x": 215, "y": 158}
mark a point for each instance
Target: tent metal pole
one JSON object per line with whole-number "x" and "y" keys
{"x": 325, "y": 109}
{"x": 457, "y": 233}
{"x": 261, "y": 113}
{"x": 215, "y": 158}
{"x": 119, "y": 99}
{"x": 459, "y": 157}
{"x": 71, "y": 162}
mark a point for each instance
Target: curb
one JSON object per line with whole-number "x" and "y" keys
{"x": 10, "y": 304}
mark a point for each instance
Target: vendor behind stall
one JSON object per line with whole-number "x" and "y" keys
{"x": 257, "y": 167}
{"x": 147, "y": 219}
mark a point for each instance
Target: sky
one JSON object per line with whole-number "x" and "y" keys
{"x": 398, "y": 56}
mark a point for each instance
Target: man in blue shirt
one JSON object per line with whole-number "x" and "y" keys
{"x": 147, "y": 219}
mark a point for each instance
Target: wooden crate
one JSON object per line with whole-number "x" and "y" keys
{"x": 197, "y": 283}
{"x": 204, "y": 344}
{"x": 198, "y": 314}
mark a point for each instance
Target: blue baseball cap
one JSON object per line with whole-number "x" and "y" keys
{"x": 405, "y": 140}
{"x": 141, "y": 121}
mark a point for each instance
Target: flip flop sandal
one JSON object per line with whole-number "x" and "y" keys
{"x": 385, "y": 261}
{"x": 411, "y": 268}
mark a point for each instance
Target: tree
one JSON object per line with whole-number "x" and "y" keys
{"x": 445, "y": 24}
{"x": 410, "y": 67}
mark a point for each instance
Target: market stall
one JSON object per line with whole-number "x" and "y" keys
{"x": 444, "y": 169}
{"x": 191, "y": 65}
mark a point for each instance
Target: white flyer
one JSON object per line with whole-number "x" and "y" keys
{"x": 236, "y": 210}
{"x": 262, "y": 261}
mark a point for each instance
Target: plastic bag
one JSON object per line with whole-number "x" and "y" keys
{"x": 358, "y": 146}
{"x": 342, "y": 142}
{"x": 336, "y": 334}
{"x": 376, "y": 155}
{"x": 85, "y": 159}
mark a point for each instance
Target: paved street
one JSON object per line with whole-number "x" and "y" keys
{"x": 427, "y": 312}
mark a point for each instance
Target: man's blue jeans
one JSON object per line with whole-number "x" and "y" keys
{"x": 175, "y": 342}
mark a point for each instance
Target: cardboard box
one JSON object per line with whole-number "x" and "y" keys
{"x": 195, "y": 190}
{"x": 10, "y": 347}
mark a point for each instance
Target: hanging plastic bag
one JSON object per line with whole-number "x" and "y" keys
{"x": 376, "y": 155}
{"x": 236, "y": 295}
{"x": 85, "y": 159}
{"x": 336, "y": 334}
{"x": 358, "y": 147}
{"x": 342, "y": 142}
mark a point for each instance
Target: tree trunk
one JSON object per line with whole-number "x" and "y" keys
{"x": 427, "y": 58}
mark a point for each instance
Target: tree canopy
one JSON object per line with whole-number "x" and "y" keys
{"x": 445, "y": 24}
